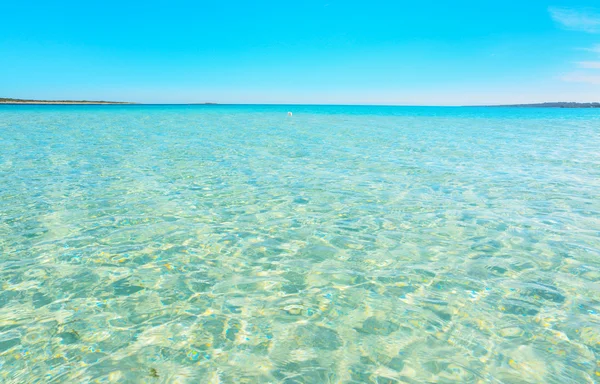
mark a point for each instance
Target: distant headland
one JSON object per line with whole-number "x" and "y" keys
{"x": 552, "y": 105}
{"x": 25, "y": 101}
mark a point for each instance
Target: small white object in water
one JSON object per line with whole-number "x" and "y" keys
{"x": 289, "y": 113}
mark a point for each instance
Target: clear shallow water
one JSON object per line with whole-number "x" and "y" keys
{"x": 345, "y": 244}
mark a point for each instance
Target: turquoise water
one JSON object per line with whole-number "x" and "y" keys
{"x": 235, "y": 244}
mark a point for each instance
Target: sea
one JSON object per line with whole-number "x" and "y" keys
{"x": 341, "y": 244}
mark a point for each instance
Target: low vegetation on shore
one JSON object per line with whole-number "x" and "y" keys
{"x": 26, "y": 101}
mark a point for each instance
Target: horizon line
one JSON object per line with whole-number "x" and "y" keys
{"x": 11, "y": 101}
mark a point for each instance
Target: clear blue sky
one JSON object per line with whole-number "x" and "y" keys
{"x": 326, "y": 51}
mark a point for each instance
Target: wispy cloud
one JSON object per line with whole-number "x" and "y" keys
{"x": 589, "y": 64}
{"x": 578, "y": 77}
{"x": 594, "y": 49}
{"x": 586, "y": 20}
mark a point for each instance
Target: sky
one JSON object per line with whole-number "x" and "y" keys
{"x": 396, "y": 52}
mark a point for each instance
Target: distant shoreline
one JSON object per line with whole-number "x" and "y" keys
{"x": 59, "y": 102}
{"x": 571, "y": 105}
{"x": 62, "y": 103}
{"x": 551, "y": 105}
